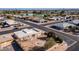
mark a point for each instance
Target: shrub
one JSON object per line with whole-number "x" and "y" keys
{"x": 58, "y": 40}
{"x": 49, "y": 43}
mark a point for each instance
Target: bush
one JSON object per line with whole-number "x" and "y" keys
{"x": 50, "y": 34}
{"x": 58, "y": 40}
{"x": 9, "y": 17}
{"x": 49, "y": 43}
{"x": 0, "y": 23}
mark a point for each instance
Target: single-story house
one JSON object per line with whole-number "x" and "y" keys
{"x": 76, "y": 22}
{"x": 25, "y": 34}
{"x": 56, "y": 18}
{"x": 10, "y": 22}
{"x": 38, "y": 20}
{"x": 19, "y": 16}
{"x": 63, "y": 25}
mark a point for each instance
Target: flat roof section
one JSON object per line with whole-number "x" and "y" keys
{"x": 25, "y": 32}
{"x": 20, "y": 34}
{"x": 75, "y": 21}
{"x": 63, "y": 25}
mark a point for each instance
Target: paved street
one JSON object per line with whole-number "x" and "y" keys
{"x": 12, "y": 30}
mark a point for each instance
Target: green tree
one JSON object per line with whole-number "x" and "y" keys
{"x": 58, "y": 40}
{"x": 72, "y": 29}
{"x": 50, "y": 34}
{"x": 62, "y": 12}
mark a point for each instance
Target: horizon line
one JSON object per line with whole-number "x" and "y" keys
{"x": 39, "y": 8}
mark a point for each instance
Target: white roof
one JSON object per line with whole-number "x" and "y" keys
{"x": 24, "y": 32}
{"x": 63, "y": 25}
{"x": 20, "y": 34}
{"x": 75, "y": 21}
{"x": 29, "y": 31}
{"x": 10, "y": 22}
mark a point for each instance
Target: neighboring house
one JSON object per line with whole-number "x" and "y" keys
{"x": 63, "y": 25}
{"x": 38, "y": 20}
{"x": 56, "y": 18}
{"x": 26, "y": 34}
{"x": 10, "y": 22}
{"x": 67, "y": 17}
{"x": 19, "y": 16}
{"x": 42, "y": 21}
{"x": 76, "y": 22}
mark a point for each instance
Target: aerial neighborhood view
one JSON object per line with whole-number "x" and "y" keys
{"x": 39, "y": 30}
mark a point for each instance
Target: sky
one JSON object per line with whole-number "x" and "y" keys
{"x": 39, "y": 3}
